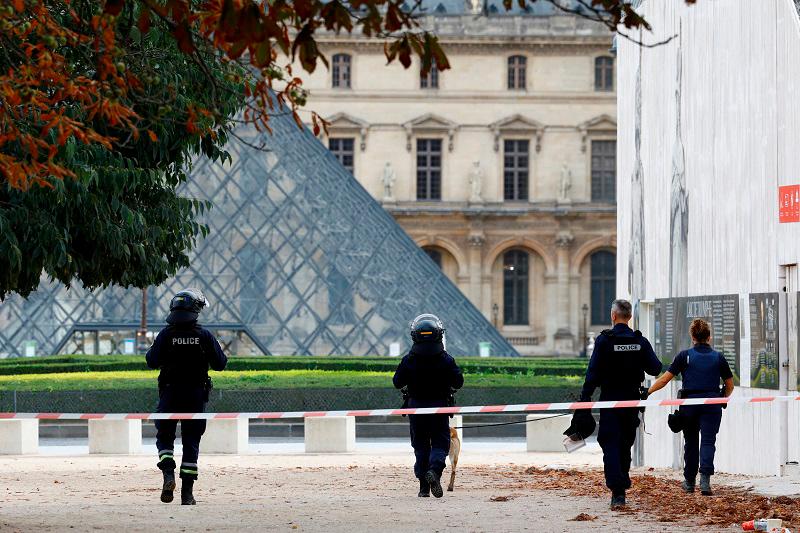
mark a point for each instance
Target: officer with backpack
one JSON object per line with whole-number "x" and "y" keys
{"x": 619, "y": 361}
{"x": 183, "y": 351}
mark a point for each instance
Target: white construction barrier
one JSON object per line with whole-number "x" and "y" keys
{"x": 18, "y": 437}
{"x": 122, "y": 437}
{"x": 226, "y": 435}
{"x": 330, "y": 434}
{"x": 458, "y": 421}
{"x": 544, "y": 433}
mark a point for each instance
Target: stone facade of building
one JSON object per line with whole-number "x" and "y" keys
{"x": 503, "y": 167}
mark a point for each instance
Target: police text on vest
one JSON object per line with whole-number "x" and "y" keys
{"x": 627, "y": 347}
{"x": 191, "y": 340}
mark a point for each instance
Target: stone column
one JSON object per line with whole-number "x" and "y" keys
{"x": 475, "y": 258}
{"x": 564, "y": 338}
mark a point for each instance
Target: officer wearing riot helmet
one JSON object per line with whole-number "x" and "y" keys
{"x": 620, "y": 358}
{"x": 183, "y": 351}
{"x": 430, "y": 374}
{"x": 702, "y": 368}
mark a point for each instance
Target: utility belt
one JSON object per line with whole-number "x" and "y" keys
{"x": 206, "y": 384}
{"x": 686, "y": 393}
{"x": 449, "y": 402}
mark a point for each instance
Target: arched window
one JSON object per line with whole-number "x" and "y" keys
{"x": 341, "y": 71}
{"x": 517, "y": 68}
{"x": 515, "y": 288}
{"x": 604, "y": 73}
{"x": 604, "y": 285}
{"x": 435, "y": 255}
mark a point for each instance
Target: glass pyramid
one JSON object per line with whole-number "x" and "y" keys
{"x": 300, "y": 259}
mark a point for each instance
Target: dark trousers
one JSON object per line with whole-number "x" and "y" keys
{"x": 616, "y": 435}
{"x": 700, "y": 437}
{"x": 180, "y": 400}
{"x": 430, "y": 437}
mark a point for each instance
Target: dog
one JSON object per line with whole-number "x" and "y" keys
{"x": 455, "y": 450}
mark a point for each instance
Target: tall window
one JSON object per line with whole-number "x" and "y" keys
{"x": 342, "y": 148}
{"x": 604, "y": 73}
{"x": 435, "y": 255}
{"x": 341, "y": 71}
{"x": 517, "y": 67}
{"x": 431, "y": 79}
{"x": 429, "y": 169}
{"x": 604, "y": 171}
{"x": 515, "y": 169}
{"x": 515, "y": 288}
{"x": 604, "y": 283}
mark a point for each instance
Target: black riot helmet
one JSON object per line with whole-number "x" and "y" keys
{"x": 427, "y": 328}
{"x": 186, "y": 305}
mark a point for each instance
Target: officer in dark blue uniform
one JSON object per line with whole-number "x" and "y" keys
{"x": 430, "y": 374}
{"x": 701, "y": 368}
{"x": 183, "y": 351}
{"x": 621, "y": 357}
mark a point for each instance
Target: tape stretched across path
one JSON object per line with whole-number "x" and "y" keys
{"x": 518, "y": 408}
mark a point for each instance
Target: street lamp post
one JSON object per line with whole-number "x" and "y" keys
{"x": 585, "y": 310}
{"x": 495, "y": 313}
{"x": 141, "y": 335}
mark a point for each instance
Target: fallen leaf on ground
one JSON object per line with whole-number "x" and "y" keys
{"x": 583, "y": 517}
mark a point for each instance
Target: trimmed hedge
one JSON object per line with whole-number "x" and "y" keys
{"x": 261, "y": 400}
{"x": 62, "y": 364}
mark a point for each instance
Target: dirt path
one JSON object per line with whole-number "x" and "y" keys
{"x": 295, "y": 493}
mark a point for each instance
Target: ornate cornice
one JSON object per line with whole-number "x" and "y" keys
{"x": 430, "y": 123}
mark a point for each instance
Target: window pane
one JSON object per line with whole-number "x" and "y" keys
{"x": 604, "y": 74}
{"x": 515, "y": 287}
{"x": 342, "y": 148}
{"x": 516, "y": 170}
{"x": 340, "y": 71}
{"x": 516, "y": 72}
{"x": 604, "y": 171}
{"x": 429, "y": 169}
{"x": 603, "y": 282}
{"x": 435, "y": 255}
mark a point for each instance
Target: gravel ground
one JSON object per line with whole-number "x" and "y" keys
{"x": 365, "y": 491}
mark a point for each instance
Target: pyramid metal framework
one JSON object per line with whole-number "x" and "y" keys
{"x": 300, "y": 259}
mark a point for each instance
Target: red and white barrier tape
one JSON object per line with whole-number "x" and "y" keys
{"x": 518, "y": 408}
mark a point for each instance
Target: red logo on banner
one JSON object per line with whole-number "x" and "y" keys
{"x": 789, "y": 203}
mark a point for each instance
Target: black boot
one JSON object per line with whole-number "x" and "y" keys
{"x": 688, "y": 485}
{"x": 424, "y": 489}
{"x": 705, "y": 485}
{"x": 618, "y": 499}
{"x": 433, "y": 480}
{"x": 186, "y": 492}
{"x": 168, "y": 486}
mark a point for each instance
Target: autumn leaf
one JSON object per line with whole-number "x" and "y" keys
{"x": 114, "y": 7}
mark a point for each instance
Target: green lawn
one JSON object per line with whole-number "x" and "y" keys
{"x": 471, "y": 365}
{"x": 258, "y": 379}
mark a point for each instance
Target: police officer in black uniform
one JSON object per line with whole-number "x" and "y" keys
{"x": 621, "y": 357}
{"x": 183, "y": 351}
{"x": 701, "y": 367}
{"x": 430, "y": 374}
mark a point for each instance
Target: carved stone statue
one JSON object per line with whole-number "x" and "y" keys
{"x": 565, "y": 185}
{"x": 476, "y": 183}
{"x": 388, "y": 179}
{"x": 475, "y": 6}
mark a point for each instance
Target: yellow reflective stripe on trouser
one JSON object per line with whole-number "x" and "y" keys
{"x": 188, "y": 471}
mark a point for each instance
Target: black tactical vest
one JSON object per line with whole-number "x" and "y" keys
{"x": 622, "y": 366}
